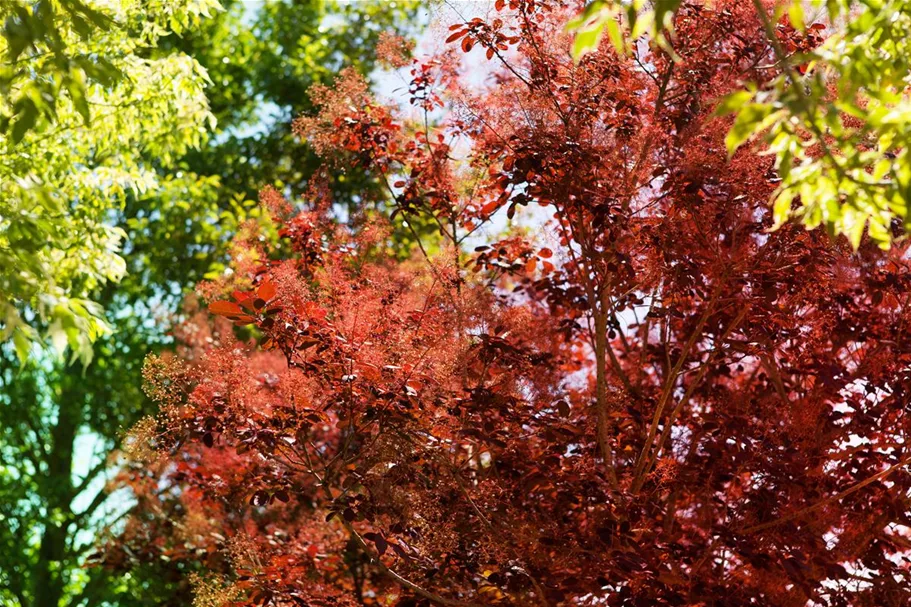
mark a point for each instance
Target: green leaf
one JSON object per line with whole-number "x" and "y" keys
{"x": 750, "y": 120}
{"x": 795, "y": 14}
{"x": 77, "y": 85}
{"x": 587, "y": 40}
{"x": 585, "y": 16}
{"x": 22, "y": 345}
{"x": 25, "y": 121}
{"x": 664, "y": 12}
{"x": 616, "y": 35}
{"x": 855, "y": 224}
{"x": 733, "y": 103}
{"x": 781, "y": 210}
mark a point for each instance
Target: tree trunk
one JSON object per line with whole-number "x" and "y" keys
{"x": 603, "y": 422}
{"x": 57, "y": 489}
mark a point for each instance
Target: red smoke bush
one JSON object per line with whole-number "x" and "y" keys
{"x": 668, "y": 405}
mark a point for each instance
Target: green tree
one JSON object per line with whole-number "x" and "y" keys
{"x": 84, "y": 108}
{"x": 59, "y": 421}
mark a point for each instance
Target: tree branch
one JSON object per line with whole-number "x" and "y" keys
{"x": 857, "y": 487}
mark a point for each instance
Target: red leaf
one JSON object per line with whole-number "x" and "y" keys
{"x": 225, "y": 308}
{"x": 266, "y": 290}
{"x": 245, "y": 300}
{"x": 456, "y": 36}
{"x": 489, "y": 208}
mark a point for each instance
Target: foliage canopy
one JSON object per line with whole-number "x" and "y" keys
{"x": 836, "y": 117}
{"x": 658, "y": 401}
{"x": 84, "y": 108}
{"x": 59, "y": 422}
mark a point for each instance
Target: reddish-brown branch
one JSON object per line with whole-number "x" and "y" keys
{"x": 834, "y": 498}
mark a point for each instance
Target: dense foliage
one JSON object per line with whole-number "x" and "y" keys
{"x": 837, "y": 119}
{"x": 658, "y": 401}
{"x": 836, "y": 116}
{"x": 84, "y": 108}
{"x": 58, "y": 421}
